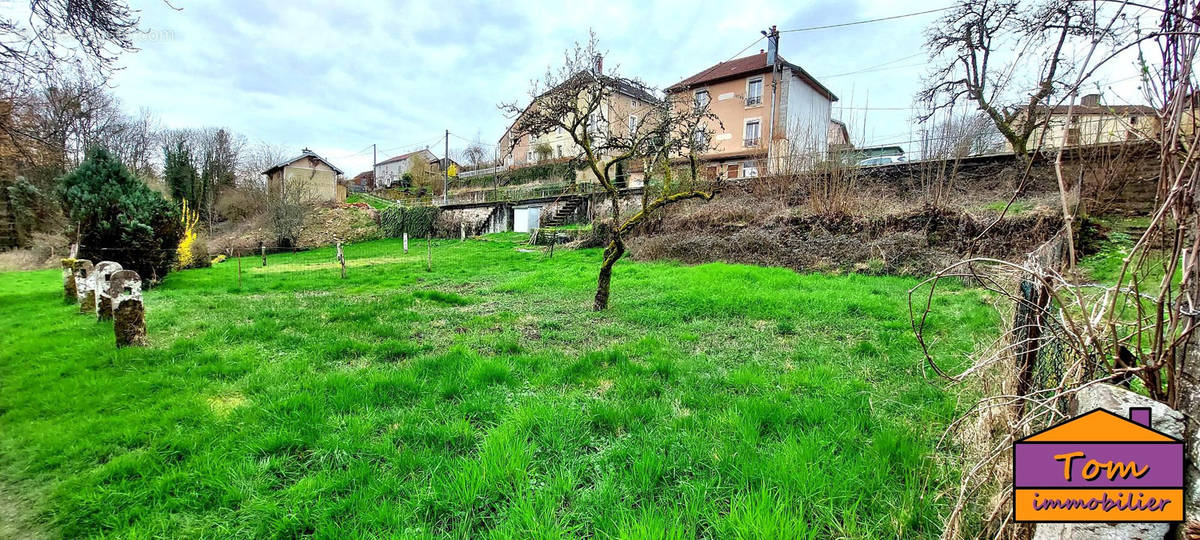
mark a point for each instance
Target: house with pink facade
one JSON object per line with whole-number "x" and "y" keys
{"x": 773, "y": 118}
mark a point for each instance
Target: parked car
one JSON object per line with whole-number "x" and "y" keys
{"x": 881, "y": 160}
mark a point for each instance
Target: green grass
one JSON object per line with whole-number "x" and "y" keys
{"x": 483, "y": 399}
{"x": 374, "y": 202}
{"x": 1104, "y": 266}
{"x": 570, "y": 227}
{"x": 1016, "y": 208}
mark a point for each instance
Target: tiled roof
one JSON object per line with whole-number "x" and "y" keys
{"x": 306, "y": 153}
{"x": 403, "y": 157}
{"x": 742, "y": 67}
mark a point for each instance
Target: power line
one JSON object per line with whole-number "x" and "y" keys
{"x": 848, "y": 108}
{"x": 481, "y": 143}
{"x": 872, "y": 70}
{"x": 417, "y": 145}
{"x": 839, "y": 25}
{"x": 735, "y": 55}
{"x": 343, "y": 156}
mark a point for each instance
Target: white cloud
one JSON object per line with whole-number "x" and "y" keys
{"x": 337, "y": 77}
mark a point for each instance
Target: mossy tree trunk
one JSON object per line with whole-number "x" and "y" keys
{"x": 612, "y": 253}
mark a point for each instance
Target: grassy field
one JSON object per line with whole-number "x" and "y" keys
{"x": 482, "y": 399}
{"x": 371, "y": 200}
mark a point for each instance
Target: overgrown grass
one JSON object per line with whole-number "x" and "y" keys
{"x": 482, "y": 399}
{"x": 1104, "y": 266}
{"x": 373, "y": 202}
{"x": 1014, "y": 209}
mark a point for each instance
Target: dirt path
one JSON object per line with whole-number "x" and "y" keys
{"x": 16, "y": 517}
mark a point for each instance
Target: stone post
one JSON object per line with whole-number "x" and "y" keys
{"x": 83, "y": 286}
{"x": 262, "y": 250}
{"x": 129, "y": 319}
{"x": 103, "y": 273}
{"x": 406, "y": 243}
{"x": 70, "y": 293}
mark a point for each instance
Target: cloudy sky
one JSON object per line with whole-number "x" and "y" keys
{"x": 339, "y": 76}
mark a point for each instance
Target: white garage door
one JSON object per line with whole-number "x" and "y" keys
{"x": 526, "y": 219}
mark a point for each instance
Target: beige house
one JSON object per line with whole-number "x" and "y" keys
{"x": 620, "y": 112}
{"x": 310, "y": 175}
{"x": 1093, "y": 123}
{"x": 754, "y": 110}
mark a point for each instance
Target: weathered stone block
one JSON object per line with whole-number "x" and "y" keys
{"x": 70, "y": 294}
{"x": 102, "y": 274}
{"x": 129, "y": 319}
{"x": 84, "y": 293}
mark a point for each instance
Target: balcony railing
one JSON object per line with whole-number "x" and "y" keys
{"x": 751, "y": 142}
{"x": 753, "y": 100}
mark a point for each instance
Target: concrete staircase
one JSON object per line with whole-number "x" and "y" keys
{"x": 570, "y": 203}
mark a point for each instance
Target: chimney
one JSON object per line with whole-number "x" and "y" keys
{"x": 1090, "y": 100}
{"x": 1139, "y": 415}
{"x": 599, "y": 64}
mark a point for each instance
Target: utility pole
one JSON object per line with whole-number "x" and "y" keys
{"x": 446, "y": 170}
{"x": 374, "y": 160}
{"x": 772, "y": 59}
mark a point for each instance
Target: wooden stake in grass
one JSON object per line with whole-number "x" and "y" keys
{"x": 341, "y": 257}
{"x": 406, "y": 243}
{"x": 239, "y": 258}
{"x": 428, "y": 252}
{"x": 262, "y": 250}
{"x": 462, "y": 228}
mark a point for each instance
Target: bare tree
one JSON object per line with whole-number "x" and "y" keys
{"x": 256, "y": 159}
{"x": 985, "y": 49}
{"x": 287, "y": 200}
{"x": 134, "y": 142}
{"x": 1069, "y": 334}
{"x": 958, "y": 135}
{"x": 52, "y": 126}
{"x": 57, "y": 33}
{"x": 475, "y": 154}
{"x": 579, "y": 99}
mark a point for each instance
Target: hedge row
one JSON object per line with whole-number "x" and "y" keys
{"x": 417, "y": 221}
{"x": 546, "y": 171}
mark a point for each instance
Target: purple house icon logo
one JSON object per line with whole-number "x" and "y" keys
{"x": 1099, "y": 467}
